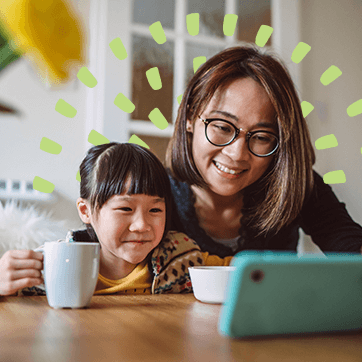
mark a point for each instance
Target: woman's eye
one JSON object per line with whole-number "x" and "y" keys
{"x": 262, "y": 138}
{"x": 222, "y": 127}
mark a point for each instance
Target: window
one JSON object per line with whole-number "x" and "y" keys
{"x": 130, "y": 21}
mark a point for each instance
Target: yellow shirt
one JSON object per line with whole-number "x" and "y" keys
{"x": 139, "y": 281}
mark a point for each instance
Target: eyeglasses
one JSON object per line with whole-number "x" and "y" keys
{"x": 221, "y": 133}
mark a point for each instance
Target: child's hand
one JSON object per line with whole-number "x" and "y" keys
{"x": 20, "y": 269}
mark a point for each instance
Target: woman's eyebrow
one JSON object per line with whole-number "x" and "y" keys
{"x": 265, "y": 124}
{"x": 226, "y": 114}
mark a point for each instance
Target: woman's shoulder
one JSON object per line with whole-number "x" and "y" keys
{"x": 182, "y": 198}
{"x": 178, "y": 187}
{"x": 321, "y": 190}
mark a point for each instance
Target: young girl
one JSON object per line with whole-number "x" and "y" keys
{"x": 125, "y": 202}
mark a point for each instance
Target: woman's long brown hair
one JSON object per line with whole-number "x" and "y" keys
{"x": 276, "y": 199}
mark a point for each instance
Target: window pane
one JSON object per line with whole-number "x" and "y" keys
{"x": 146, "y": 54}
{"x": 158, "y": 145}
{"x": 196, "y": 50}
{"x": 251, "y": 15}
{"x": 149, "y": 11}
{"x": 212, "y": 14}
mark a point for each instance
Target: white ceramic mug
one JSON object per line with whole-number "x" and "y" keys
{"x": 70, "y": 273}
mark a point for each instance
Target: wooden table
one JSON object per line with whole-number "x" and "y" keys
{"x": 148, "y": 328}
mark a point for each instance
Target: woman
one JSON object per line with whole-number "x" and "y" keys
{"x": 241, "y": 158}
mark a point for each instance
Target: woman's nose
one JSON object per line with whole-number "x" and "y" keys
{"x": 140, "y": 224}
{"x": 237, "y": 150}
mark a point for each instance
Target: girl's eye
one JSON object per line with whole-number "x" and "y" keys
{"x": 154, "y": 210}
{"x": 125, "y": 209}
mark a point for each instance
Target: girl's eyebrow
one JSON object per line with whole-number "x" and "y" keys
{"x": 129, "y": 197}
{"x": 159, "y": 199}
{"x": 266, "y": 124}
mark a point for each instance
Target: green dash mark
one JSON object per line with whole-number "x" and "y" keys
{"x": 157, "y": 32}
{"x": 42, "y": 185}
{"x": 96, "y": 139}
{"x": 330, "y": 75}
{"x": 154, "y": 78}
{"x": 355, "y": 108}
{"x": 325, "y": 142}
{"x": 77, "y": 177}
{"x": 334, "y": 177}
{"x": 179, "y": 98}
{"x": 65, "y": 109}
{"x": 197, "y": 61}
{"x": 86, "y": 77}
{"x": 158, "y": 119}
{"x": 122, "y": 102}
{"x": 306, "y": 108}
{"x": 229, "y": 24}
{"x": 192, "y": 23}
{"x": 300, "y": 51}
{"x": 263, "y": 35}
{"x": 48, "y": 145}
{"x": 118, "y": 48}
{"x": 137, "y": 141}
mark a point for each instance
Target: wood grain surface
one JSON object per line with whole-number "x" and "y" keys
{"x": 147, "y": 328}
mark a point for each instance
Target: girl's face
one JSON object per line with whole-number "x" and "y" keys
{"x": 229, "y": 169}
{"x": 129, "y": 226}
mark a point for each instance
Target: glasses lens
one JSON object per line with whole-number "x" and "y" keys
{"x": 219, "y": 132}
{"x": 263, "y": 143}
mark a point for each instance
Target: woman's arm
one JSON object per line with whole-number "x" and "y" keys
{"x": 327, "y": 221}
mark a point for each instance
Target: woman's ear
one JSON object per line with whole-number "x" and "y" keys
{"x": 84, "y": 210}
{"x": 189, "y": 126}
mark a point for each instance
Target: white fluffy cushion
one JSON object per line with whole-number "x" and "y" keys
{"x": 27, "y": 227}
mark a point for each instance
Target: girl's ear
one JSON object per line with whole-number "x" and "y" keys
{"x": 189, "y": 126}
{"x": 84, "y": 210}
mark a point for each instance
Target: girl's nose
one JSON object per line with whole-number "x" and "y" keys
{"x": 139, "y": 224}
{"x": 237, "y": 150}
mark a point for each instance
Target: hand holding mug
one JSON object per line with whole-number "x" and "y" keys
{"x": 20, "y": 269}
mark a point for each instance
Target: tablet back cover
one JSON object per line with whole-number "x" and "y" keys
{"x": 279, "y": 293}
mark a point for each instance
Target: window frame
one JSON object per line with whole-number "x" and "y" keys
{"x": 110, "y": 19}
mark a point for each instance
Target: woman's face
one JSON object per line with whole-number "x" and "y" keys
{"x": 229, "y": 169}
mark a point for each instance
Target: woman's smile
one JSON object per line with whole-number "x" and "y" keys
{"x": 228, "y": 170}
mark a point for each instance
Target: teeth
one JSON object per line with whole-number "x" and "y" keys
{"x": 225, "y": 169}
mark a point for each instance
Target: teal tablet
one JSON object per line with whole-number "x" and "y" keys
{"x": 279, "y": 294}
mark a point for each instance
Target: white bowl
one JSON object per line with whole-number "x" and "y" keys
{"x": 209, "y": 282}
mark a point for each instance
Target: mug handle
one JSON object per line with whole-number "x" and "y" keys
{"x": 39, "y": 249}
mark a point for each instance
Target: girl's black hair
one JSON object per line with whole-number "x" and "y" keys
{"x": 117, "y": 168}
